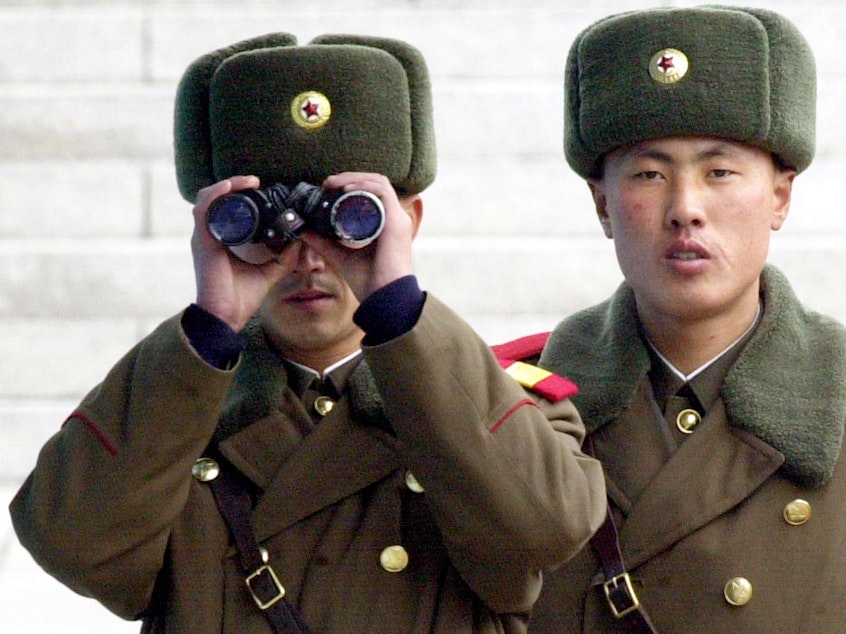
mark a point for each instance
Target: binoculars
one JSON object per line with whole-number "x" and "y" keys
{"x": 257, "y": 224}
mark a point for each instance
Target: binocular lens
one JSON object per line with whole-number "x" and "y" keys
{"x": 358, "y": 217}
{"x": 233, "y": 219}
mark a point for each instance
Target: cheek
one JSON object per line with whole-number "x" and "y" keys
{"x": 751, "y": 215}
{"x": 631, "y": 218}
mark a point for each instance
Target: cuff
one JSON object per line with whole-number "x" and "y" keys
{"x": 391, "y": 311}
{"x": 215, "y": 342}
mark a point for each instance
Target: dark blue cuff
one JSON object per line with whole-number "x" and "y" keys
{"x": 391, "y": 311}
{"x": 212, "y": 338}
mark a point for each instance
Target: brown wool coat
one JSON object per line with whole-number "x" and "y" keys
{"x": 112, "y": 510}
{"x": 715, "y": 511}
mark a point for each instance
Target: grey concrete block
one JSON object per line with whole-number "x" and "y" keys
{"x": 71, "y": 201}
{"x": 57, "y": 122}
{"x": 59, "y": 358}
{"x": 49, "y": 45}
{"x": 112, "y": 279}
{"x": 170, "y": 214}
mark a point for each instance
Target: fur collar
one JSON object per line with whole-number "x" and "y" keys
{"x": 260, "y": 384}
{"x": 788, "y": 386}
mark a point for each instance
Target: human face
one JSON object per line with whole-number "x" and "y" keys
{"x": 308, "y": 313}
{"x": 691, "y": 219}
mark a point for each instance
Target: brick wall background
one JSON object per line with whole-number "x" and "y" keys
{"x": 94, "y": 237}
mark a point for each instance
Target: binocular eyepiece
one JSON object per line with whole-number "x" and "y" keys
{"x": 257, "y": 224}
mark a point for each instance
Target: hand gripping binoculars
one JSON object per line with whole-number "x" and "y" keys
{"x": 257, "y": 224}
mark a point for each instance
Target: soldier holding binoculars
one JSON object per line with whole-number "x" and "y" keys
{"x": 315, "y": 444}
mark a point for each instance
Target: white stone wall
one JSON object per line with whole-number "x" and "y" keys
{"x": 94, "y": 236}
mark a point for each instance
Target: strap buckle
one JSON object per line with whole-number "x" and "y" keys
{"x": 266, "y": 582}
{"x": 621, "y": 595}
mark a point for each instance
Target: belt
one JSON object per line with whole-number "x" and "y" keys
{"x": 619, "y": 591}
{"x": 235, "y": 504}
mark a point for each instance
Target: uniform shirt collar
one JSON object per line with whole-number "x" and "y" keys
{"x": 300, "y": 376}
{"x": 706, "y": 380}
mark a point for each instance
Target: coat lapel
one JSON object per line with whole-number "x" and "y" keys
{"x": 266, "y": 434}
{"x": 302, "y": 475}
{"x": 713, "y": 470}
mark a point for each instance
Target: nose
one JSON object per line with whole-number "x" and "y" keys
{"x": 686, "y": 205}
{"x": 308, "y": 259}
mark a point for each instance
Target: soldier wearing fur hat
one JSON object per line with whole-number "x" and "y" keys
{"x": 253, "y": 465}
{"x": 714, "y": 400}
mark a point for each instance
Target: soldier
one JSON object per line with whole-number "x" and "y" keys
{"x": 252, "y": 466}
{"x": 714, "y": 400}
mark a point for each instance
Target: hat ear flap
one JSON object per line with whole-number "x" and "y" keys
{"x": 192, "y": 132}
{"x": 423, "y": 167}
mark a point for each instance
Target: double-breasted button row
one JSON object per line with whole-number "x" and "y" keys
{"x": 392, "y": 559}
{"x": 395, "y": 558}
{"x": 738, "y": 590}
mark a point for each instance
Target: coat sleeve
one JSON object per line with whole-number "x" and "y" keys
{"x": 503, "y": 471}
{"x": 97, "y": 510}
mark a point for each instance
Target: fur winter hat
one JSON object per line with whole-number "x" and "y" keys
{"x": 742, "y": 74}
{"x": 289, "y": 113}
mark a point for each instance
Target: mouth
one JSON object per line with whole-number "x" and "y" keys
{"x": 686, "y": 252}
{"x": 685, "y": 255}
{"x": 308, "y": 295}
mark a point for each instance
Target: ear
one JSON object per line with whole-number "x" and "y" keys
{"x": 413, "y": 206}
{"x": 782, "y": 193}
{"x": 597, "y": 192}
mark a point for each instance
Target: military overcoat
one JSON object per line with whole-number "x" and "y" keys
{"x": 743, "y": 530}
{"x": 112, "y": 509}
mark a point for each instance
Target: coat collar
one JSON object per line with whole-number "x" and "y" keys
{"x": 261, "y": 386}
{"x": 787, "y": 388}
{"x": 266, "y": 434}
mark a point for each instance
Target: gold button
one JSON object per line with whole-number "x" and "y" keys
{"x": 394, "y": 559}
{"x": 323, "y": 405}
{"x": 797, "y": 512}
{"x": 412, "y": 483}
{"x": 687, "y": 420}
{"x": 205, "y": 470}
{"x": 738, "y": 591}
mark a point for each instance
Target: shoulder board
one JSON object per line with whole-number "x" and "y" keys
{"x": 547, "y": 384}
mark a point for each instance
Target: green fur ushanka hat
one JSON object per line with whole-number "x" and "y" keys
{"x": 741, "y": 74}
{"x": 289, "y": 113}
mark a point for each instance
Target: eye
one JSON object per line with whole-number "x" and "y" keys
{"x": 721, "y": 172}
{"x": 649, "y": 175}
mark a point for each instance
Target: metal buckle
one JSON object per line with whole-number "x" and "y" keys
{"x": 621, "y": 588}
{"x": 274, "y": 581}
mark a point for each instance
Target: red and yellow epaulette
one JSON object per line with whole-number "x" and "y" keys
{"x": 547, "y": 384}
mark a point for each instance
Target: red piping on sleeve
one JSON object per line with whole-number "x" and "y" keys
{"x": 513, "y": 409}
{"x": 100, "y": 435}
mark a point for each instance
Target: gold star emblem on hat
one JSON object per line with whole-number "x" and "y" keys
{"x": 668, "y": 66}
{"x": 311, "y": 110}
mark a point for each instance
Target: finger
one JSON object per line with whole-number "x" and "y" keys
{"x": 374, "y": 183}
{"x": 235, "y": 183}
